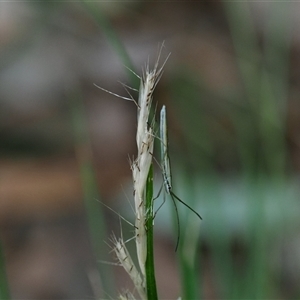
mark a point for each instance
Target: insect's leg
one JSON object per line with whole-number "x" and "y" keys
{"x": 164, "y": 200}
{"x": 182, "y": 202}
{"x": 177, "y": 218}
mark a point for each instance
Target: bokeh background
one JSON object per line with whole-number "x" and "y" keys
{"x": 231, "y": 87}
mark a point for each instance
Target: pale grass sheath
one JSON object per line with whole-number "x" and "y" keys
{"x": 140, "y": 169}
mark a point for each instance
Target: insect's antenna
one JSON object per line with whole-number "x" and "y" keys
{"x": 177, "y": 218}
{"x": 182, "y": 202}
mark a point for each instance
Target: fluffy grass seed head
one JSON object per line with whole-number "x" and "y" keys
{"x": 140, "y": 169}
{"x": 141, "y": 166}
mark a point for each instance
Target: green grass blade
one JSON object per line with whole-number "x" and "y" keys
{"x": 95, "y": 10}
{"x": 4, "y": 288}
{"x": 96, "y": 222}
{"x": 150, "y": 271}
{"x": 188, "y": 258}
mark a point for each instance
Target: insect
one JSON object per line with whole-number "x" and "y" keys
{"x": 166, "y": 169}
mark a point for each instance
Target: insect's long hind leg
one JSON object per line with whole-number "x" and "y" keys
{"x": 177, "y": 217}
{"x": 182, "y": 202}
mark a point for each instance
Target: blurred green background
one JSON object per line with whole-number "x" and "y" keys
{"x": 232, "y": 93}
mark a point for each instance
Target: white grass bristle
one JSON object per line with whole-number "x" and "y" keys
{"x": 127, "y": 263}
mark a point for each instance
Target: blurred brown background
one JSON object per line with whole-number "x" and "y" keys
{"x": 55, "y": 124}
